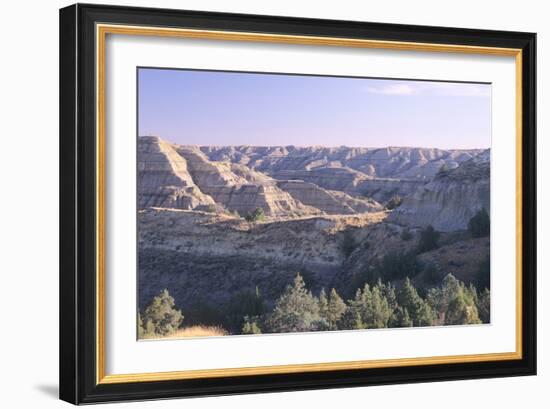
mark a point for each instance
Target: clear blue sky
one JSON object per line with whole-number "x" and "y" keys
{"x": 223, "y": 108}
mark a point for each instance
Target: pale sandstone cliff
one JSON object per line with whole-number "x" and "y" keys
{"x": 329, "y": 201}
{"x": 295, "y": 182}
{"x": 184, "y": 177}
{"x": 376, "y": 173}
{"x": 390, "y": 162}
{"x": 241, "y": 191}
{"x": 451, "y": 199}
{"x": 164, "y": 179}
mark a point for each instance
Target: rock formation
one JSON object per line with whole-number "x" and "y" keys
{"x": 391, "y": 162}
{"x": 204, "y": 256}
{"x": 376, "y": 173}
{"x": 451, "y": 199}
{"x": 164, "y": 179}
{"x": 239, "y": 189}
{"x": 324, "y": 218}
{"x": 329, "y": 201}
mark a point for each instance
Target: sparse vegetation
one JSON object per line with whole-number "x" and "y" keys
{"x": 203, "y": 312}
{"x": 161, "y": 317}
{"x": 394, "y": 202}
{"x": 406, "y": 234}
{"x": 429, "y": 239}
{"x": 210, "y": 209}
{"x": 190, "y": 332}
{"x": 396, "y": 266}
{"x": 483, "y": 275}
{"x": 480, "y": 225}
{"x": 243, "y": 305}
{"x": 348, "y": 244}
{"x": 250, "y": 326}
{"x": 257, "y": 215}
{"x": 431, "y": 275}
{"x": 442, "y": 170}
{"x": 484, "y": 305}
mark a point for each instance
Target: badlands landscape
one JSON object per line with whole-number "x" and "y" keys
{"x": 253, "y": 239}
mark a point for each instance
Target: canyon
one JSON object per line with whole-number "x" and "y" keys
{"x": 214, "y": 221}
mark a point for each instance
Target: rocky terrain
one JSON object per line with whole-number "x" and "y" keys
{"x": 451, "y": 199}
{"x": 328, "y": 201}
{"x": 164, "y": 179}
{"x": 235, "y": 254}
{"x": 214, "y": 221}
{"x": 391, "y": 162}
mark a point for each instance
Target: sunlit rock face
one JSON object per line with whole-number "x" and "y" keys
{"x": 187, "y": 179}
{"x": 374, "y": 173}
{"x": 444, "y": 188}
{"x": 239, "y": 189}
{"x": 164, "y": 179}
{"x": 328, "y": 201}
{"x": 451, "y": 199}
{"x": 390, "y": 162}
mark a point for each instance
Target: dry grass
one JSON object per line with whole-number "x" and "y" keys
{"x": 194, "y": 331}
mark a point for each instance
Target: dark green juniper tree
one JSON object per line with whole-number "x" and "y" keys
{"x": 297, "y": 310}
{"x": 454, "y": 303}
{"x": 429, "y": 239}
{"x": 257, "y": 215}
{"x": 251, "y": 326}
{"x": 400, "y": 318}
{"x": 388, "y": 291}
{"x": 247, "y": 303}
{"x": 397, "y": 265}
{"x": 369, "y": 309}
{"x": 480, "y": 225}
{"x": 394, "y": 202}
{"x": 484, "y": 306}
{"x": 161, "y": 317}
{"x": 331, "y": 308}
{"x": 348, "y": 244}
{"x": 483, "y": 275}
{"x": 420, "y": 312}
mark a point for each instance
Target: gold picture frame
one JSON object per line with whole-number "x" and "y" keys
{"x": 98, "y": 20}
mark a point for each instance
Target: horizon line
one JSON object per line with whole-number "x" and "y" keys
{"x": 316, "y": 146}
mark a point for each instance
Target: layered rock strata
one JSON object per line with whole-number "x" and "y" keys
{"x": 164, "y": 179}
{"x": 451, "y": 199}
{"x": 329, "y": 201}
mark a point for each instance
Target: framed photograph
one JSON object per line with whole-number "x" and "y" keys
{"x": 257, "y": 203}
